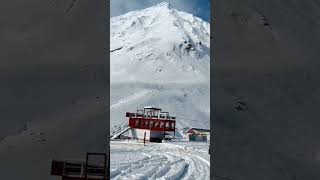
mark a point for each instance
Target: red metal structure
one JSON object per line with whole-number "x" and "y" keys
{"x": 153, "y": 120}
{"x": 81, "y": 170}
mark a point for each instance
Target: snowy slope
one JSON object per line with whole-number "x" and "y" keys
{"x": 170, "y": 45}
{"x": 160, "y": 56}
{"x": 269, "y": 59}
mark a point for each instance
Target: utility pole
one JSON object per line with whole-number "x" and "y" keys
{"x": 144, "y": 139}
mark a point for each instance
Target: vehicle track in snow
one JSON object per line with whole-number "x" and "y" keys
{"x": 157, "y": 161}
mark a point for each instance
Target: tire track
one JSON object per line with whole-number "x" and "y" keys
{"x": 164, "y": 162}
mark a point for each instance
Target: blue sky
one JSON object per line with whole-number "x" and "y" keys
{"x": 200, "y": 8}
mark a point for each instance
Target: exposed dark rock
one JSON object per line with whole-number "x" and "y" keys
{"x": 71, "y": 6}
{"x": 237, "y": 16}
{"x": 241, "y": 106}
{"x": 117, "y": 49}
{"x": 264, "y": 20}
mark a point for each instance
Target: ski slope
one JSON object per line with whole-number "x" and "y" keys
{"x": 167, "y": 161}
{"x": 188, "y": 102}
{"x": 160, "y": 56}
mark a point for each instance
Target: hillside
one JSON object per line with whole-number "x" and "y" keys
{"x": 52, "y": 71}
{"x": 266, "y": 57}
{"x": 160, "y": 56}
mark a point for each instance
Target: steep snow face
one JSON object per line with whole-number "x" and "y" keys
{"x": 160, "y": 56}
{"x": 159, "y": 44}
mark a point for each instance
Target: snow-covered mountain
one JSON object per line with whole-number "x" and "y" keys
{"x": 160, "y": 56}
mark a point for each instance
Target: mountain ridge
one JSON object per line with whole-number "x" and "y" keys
{"x": 159, "y": 33}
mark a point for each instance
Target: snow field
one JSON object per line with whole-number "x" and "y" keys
{"x": 186, "y": 101}
{"x": 162, "y": 161}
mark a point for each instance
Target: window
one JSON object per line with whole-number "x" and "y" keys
{"x": 138, "y": 123}
{"x": 147, "y": 123}
{"x": 157, "y": 124}
{"x": 151, "y": 123}
{"x": 172, "y": 125}
{"x": 167, "y": 125}
{"x": 161, "y": 124}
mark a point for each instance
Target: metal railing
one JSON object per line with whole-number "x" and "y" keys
{"x": 84, "y": 170}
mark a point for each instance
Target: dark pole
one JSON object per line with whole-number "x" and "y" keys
{"x": 144, "y": 139}
{"x": 106, "y": 168}
{"x": 86, "y": 166}
{"x": 164, "y": 135}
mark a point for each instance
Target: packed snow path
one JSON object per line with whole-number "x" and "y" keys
{"x": 174, "y": 160}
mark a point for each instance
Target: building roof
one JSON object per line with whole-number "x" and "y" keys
{"x": 190, "y": 130}
{"x": 151, "y": 107}
{"x": 201, "y": 130}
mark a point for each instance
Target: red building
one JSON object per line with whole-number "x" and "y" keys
{"x": 152, "y": 123}
{"x": 90, "y": 169}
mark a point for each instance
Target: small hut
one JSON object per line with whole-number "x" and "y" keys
{"x": 197, "y": 134}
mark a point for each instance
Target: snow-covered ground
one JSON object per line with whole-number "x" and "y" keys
{"x": 169, "y": 160}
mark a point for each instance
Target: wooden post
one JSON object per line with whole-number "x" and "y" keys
{"x": 144, "y": 139}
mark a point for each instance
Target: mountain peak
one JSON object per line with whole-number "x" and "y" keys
{"x": 165, "y": 4}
